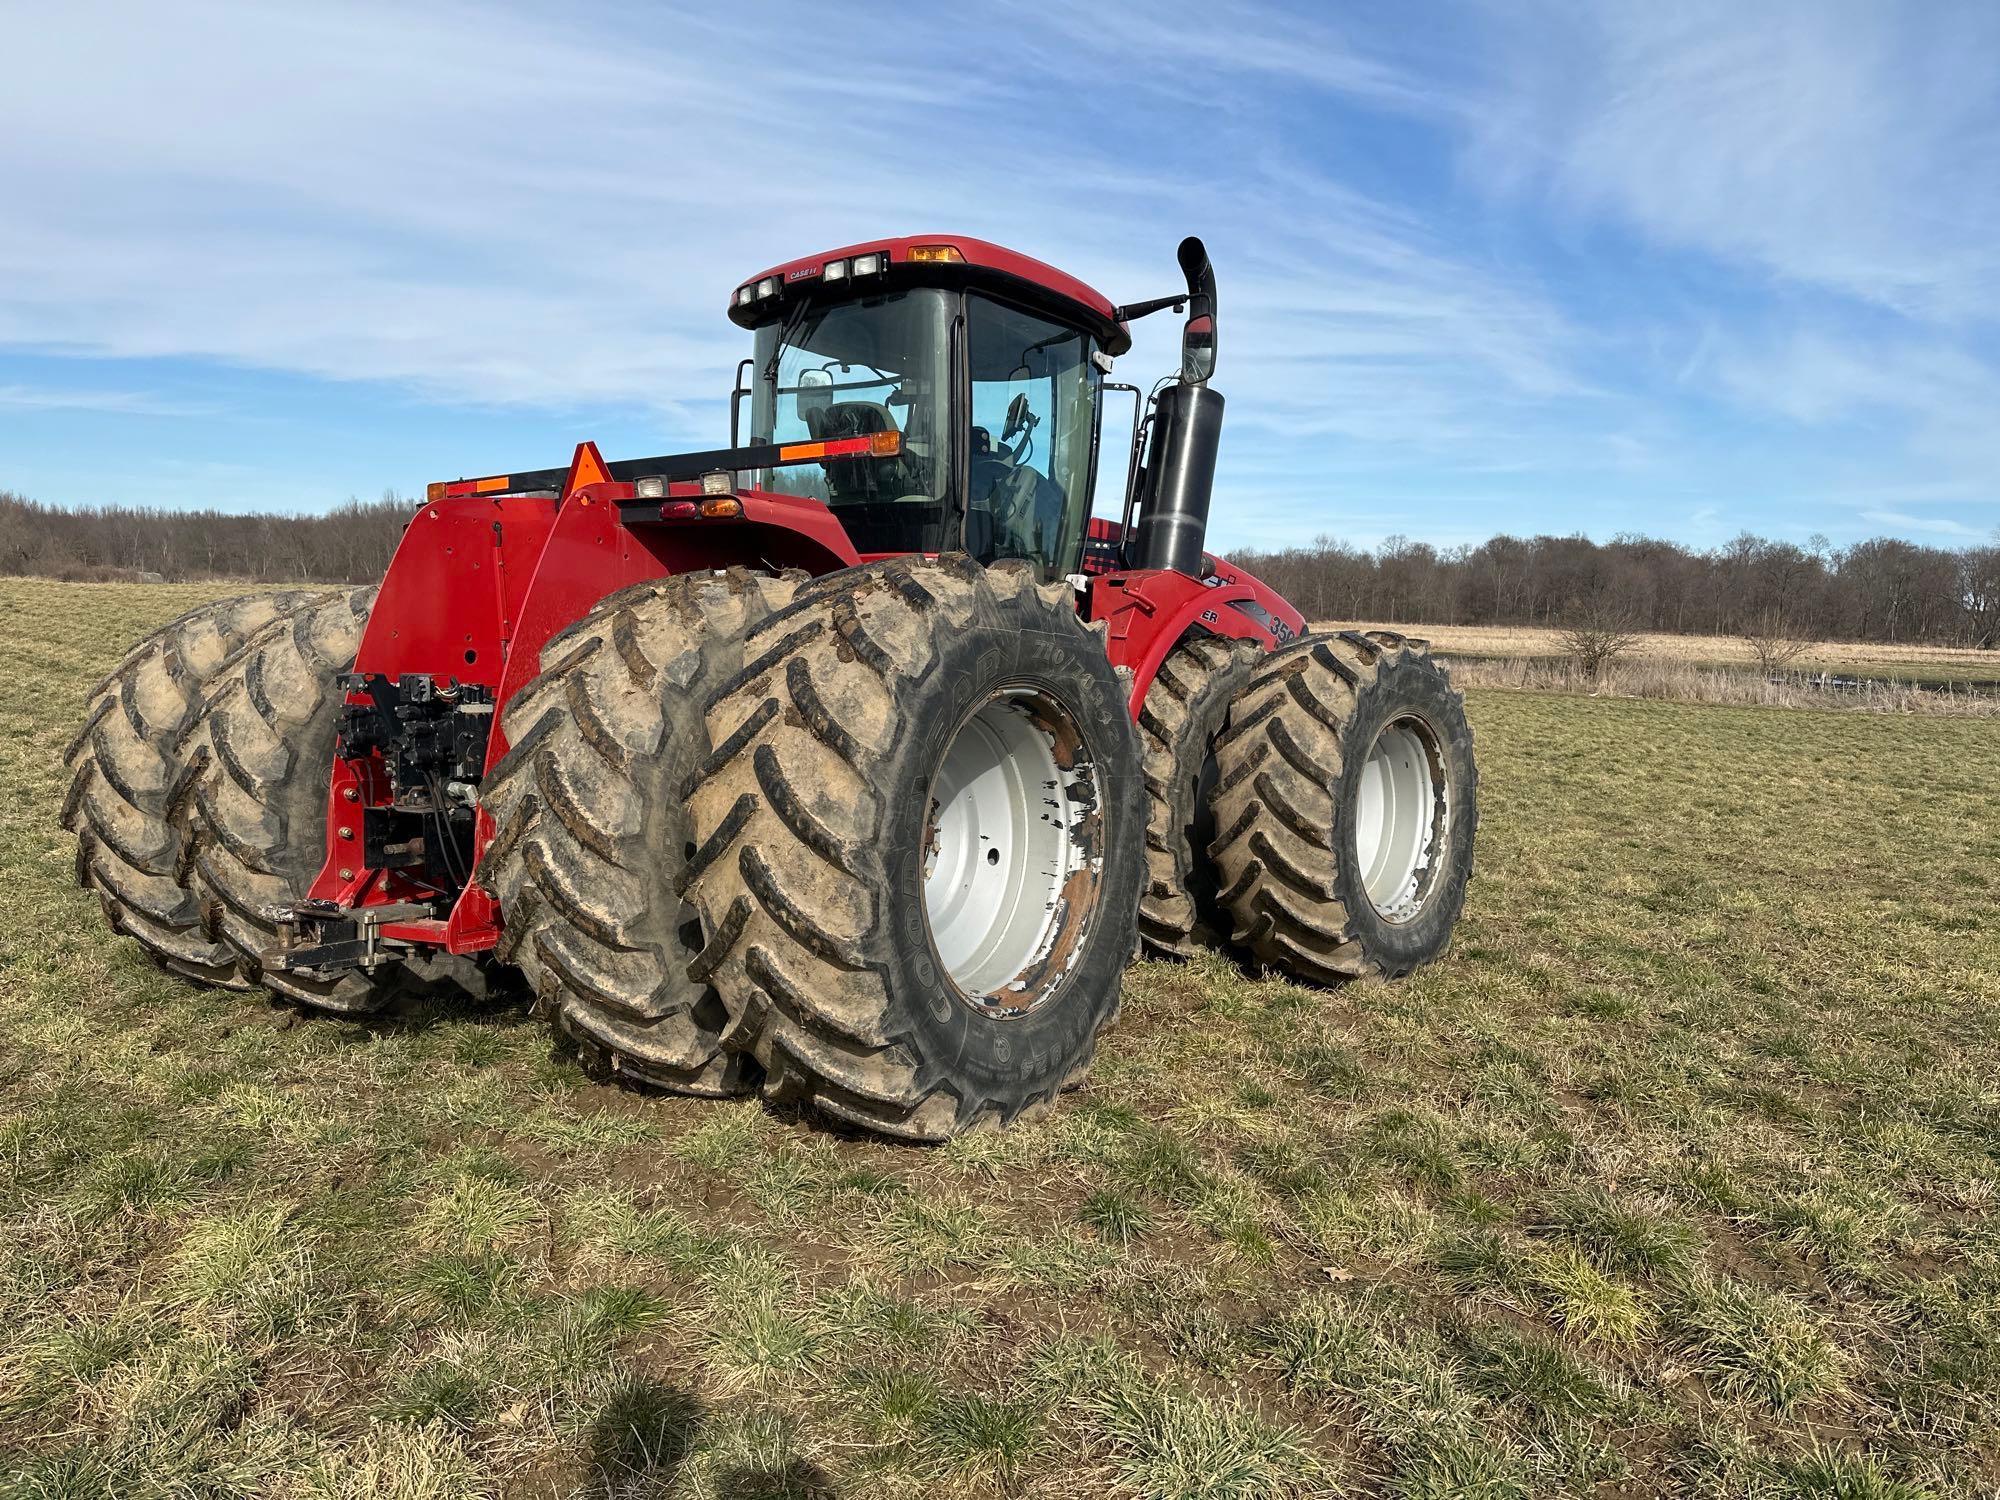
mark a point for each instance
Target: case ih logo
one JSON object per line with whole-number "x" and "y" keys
{"x": 802, "y": 274}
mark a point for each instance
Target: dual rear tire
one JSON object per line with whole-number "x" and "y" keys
{"x": 198, "y": 791}
{"x": 1345, "y": 807}
{"x": 128, "y": 788}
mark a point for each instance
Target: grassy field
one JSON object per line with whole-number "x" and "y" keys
{"x": 1678, "y": 1175}
{"x": 1887, "y": 663}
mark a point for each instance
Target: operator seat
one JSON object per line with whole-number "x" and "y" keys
{"x": 858, "y": 479}
{"x": 1015, "y": 510}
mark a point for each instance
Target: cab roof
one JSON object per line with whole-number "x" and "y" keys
{"x": 923, "y": 260}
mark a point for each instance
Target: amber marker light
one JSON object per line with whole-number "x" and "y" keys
{"x": 452, "y": 488}
{"x": 870, "y": 445}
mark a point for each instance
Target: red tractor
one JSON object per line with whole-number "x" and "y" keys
{"x": 852, "y": 761}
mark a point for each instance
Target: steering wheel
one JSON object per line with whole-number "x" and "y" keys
{"x": 1023, "y": 421}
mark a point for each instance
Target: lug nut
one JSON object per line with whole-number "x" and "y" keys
{"x": 345, "y": 873}
{"x": 347, "y": 833}
{"x": 350, "y": 794}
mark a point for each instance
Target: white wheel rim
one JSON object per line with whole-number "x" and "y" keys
{"x": 1399, "y": 817}
{"x": 1001, "y": 851}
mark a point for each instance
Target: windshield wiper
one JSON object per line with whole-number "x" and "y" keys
{"x": 785, "y": 333}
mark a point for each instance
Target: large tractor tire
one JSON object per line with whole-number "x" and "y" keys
{"x": 124, "y": 764}
{"x": 1183, "y": 712}
{"x": 259, "y": 763}
{"x": 593, "y": 831}
{"x": 1345, "y": 806}
{"x": 920, "y": 847}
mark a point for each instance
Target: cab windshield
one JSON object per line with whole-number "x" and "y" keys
{"x": 848, "y": 369}
{"x": 883, "y": 364}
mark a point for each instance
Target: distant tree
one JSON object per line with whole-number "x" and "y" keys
{"x": 1600, "y": 631}
{"x": 1775, "y": 639}
{"x": 1979, "y": 594}
{"x": 352, "y": 544}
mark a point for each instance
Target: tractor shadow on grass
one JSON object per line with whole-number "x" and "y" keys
{"x": 494, "y": 997}
{"x": 647, "y": 1433}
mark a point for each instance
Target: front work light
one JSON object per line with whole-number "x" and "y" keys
{"x": 870, "y": 265}
{"x": 768, "y": 287}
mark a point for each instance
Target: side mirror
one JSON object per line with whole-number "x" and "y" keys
{"x": 815, "y": 398}
{"x": 1198, "y": 349}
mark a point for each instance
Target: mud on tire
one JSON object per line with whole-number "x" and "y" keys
{"x": 124, "y": 764}
{"x": 258, "y": 762}
{"x": 593, "y": 830}
{"x": 827, "y": 826}
{"x": 1345, "y": 807}
{"x": 1184, "y": 710}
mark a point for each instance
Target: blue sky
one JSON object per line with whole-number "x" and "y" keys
{"x": 1682, "y": 269}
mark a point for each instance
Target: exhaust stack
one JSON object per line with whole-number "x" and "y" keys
{"x": 1187, "y": 430}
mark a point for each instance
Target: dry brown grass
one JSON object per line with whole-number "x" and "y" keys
{"x": 1859, "y": 658}
{"x": 1690, "y": 682}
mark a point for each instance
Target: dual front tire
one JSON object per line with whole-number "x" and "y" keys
{"x": 920, "y": 843}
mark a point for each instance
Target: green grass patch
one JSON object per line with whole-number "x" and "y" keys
{"x": 1677, "y": 1176}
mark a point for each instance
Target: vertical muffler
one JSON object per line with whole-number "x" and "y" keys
{"x": 1187, "y": 430}
{"x": 1180, "y": 478}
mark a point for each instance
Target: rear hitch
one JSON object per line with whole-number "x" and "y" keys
{"x": 325, "y": 938}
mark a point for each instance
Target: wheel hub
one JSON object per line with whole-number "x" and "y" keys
{"x": 1001, "y": 849}
{"x": 1399, "y": 818}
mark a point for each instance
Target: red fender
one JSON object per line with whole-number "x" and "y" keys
{"x": 1150, "y": 611}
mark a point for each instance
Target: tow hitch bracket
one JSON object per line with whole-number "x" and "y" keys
{"x": 322, "y": 937}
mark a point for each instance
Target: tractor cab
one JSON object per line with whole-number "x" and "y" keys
{"x": 977, "y": 371}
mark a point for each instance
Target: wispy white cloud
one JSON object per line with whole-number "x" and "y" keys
{"x": 1935, "y": 525}
{"x": 495, "y": 207}
{"x": 1931, "y": 400}
{"x": 1454, "y": 252}
{"x": 122, "y": 403}
{"x": 1833, "y": 143}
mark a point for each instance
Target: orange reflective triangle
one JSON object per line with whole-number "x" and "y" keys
{"x": 586, "y": 468}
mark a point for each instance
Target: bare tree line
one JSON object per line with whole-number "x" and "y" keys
{"x": 1879, "y": 590}
{"x": 349, "y": 544}
{"x": 1884, "y": 589}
